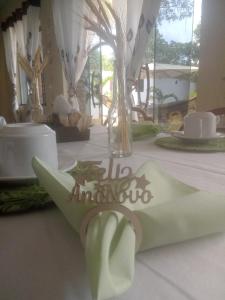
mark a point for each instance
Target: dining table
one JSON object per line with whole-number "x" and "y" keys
{"x": 42, "y": 258}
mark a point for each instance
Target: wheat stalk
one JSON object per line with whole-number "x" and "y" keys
{"x": 25, "y": 66}
{"x": 33, "y": 72}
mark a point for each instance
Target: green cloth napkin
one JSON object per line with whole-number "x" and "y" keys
{"x": 177, "y": 213}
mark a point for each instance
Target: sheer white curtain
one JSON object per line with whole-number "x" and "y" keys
{"x": 27, "y": 32}
{"x": 73, "y": 41}
{"x": 21, "y": 48}
{"x": 30, "y": 57}
{"x": 21, "y": 35}
{"x": 9, "y": 38}
{"x": 19, "y": 31}
{"x": 138, "y": 17}
{"x": 32, "y": 32}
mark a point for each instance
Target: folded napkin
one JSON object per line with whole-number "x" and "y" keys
{"x": 176, "y": 213}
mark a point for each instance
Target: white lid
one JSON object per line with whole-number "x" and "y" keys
{"x": 25, "y": 129}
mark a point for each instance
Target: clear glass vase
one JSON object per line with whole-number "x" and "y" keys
{"x": 119, "y": 117}
{"x": 37, "y": 113}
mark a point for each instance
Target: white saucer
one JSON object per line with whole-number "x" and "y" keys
{"x": 180, "y": 135}
{"x": 30, "y": 179}
{"x": 19, "y": 180}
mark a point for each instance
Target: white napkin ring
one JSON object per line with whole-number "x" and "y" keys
{"x": 128, "y": 214}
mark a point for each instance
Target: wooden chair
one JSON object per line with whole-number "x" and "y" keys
{"x": 220, "y": 112}
{"x": 143, "y": 113}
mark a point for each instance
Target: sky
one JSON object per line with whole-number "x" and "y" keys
{"x": 179, "y": 31}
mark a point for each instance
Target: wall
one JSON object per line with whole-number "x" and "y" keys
{"x": 53, "y": 75}
{"x": 211, "y": 84}
{"x": 9, "y": 7}
{"x": 179, "y": 87}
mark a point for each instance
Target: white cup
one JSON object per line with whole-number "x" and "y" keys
{"x": 2, "y": 122}
{"x": 200, "y": 125}
{"x": 20, "y": 142}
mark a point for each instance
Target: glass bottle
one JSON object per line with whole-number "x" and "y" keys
{"x": 119, "y": 117}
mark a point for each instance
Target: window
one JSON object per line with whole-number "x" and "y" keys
{"x": 24, "y": 90}
{"x": 22, "y": 85}
{"x": 172, "y": 59}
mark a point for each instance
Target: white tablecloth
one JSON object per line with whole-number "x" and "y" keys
{"x": 41, "y": 257}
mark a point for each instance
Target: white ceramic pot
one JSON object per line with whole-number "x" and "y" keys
{"x": 200, "y": 125}
{"x": 2, "y": 122}
{"x": 20, "y": 142}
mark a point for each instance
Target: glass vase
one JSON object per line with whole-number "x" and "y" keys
{"x": 119, "y": 117}
{"x": 37, "y": 114}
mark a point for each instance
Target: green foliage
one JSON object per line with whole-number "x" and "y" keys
{"x": 171, "y": 10}
{"x": 94, "y": 60}
{"x": 107, "y": 63}
{"x": 144, "y": 130}
{"x": 107, "y": 79}
{"x": 23, "y": 198}
{"x": 173, "y": 52}
{"x": 98, "y": 60}
{"x": 193, "y": 94}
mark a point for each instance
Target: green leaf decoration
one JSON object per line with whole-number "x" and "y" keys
{"x": 21, "y": 198}
{"x": 216, "y": 145}
{"x": 144, "y": 130}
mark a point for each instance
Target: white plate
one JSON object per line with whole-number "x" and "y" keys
{"x": 30, "y": 179}
{"x": 180, "y": 135}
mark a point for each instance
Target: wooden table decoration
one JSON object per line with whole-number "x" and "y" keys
{"x": 33, "y": 72}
